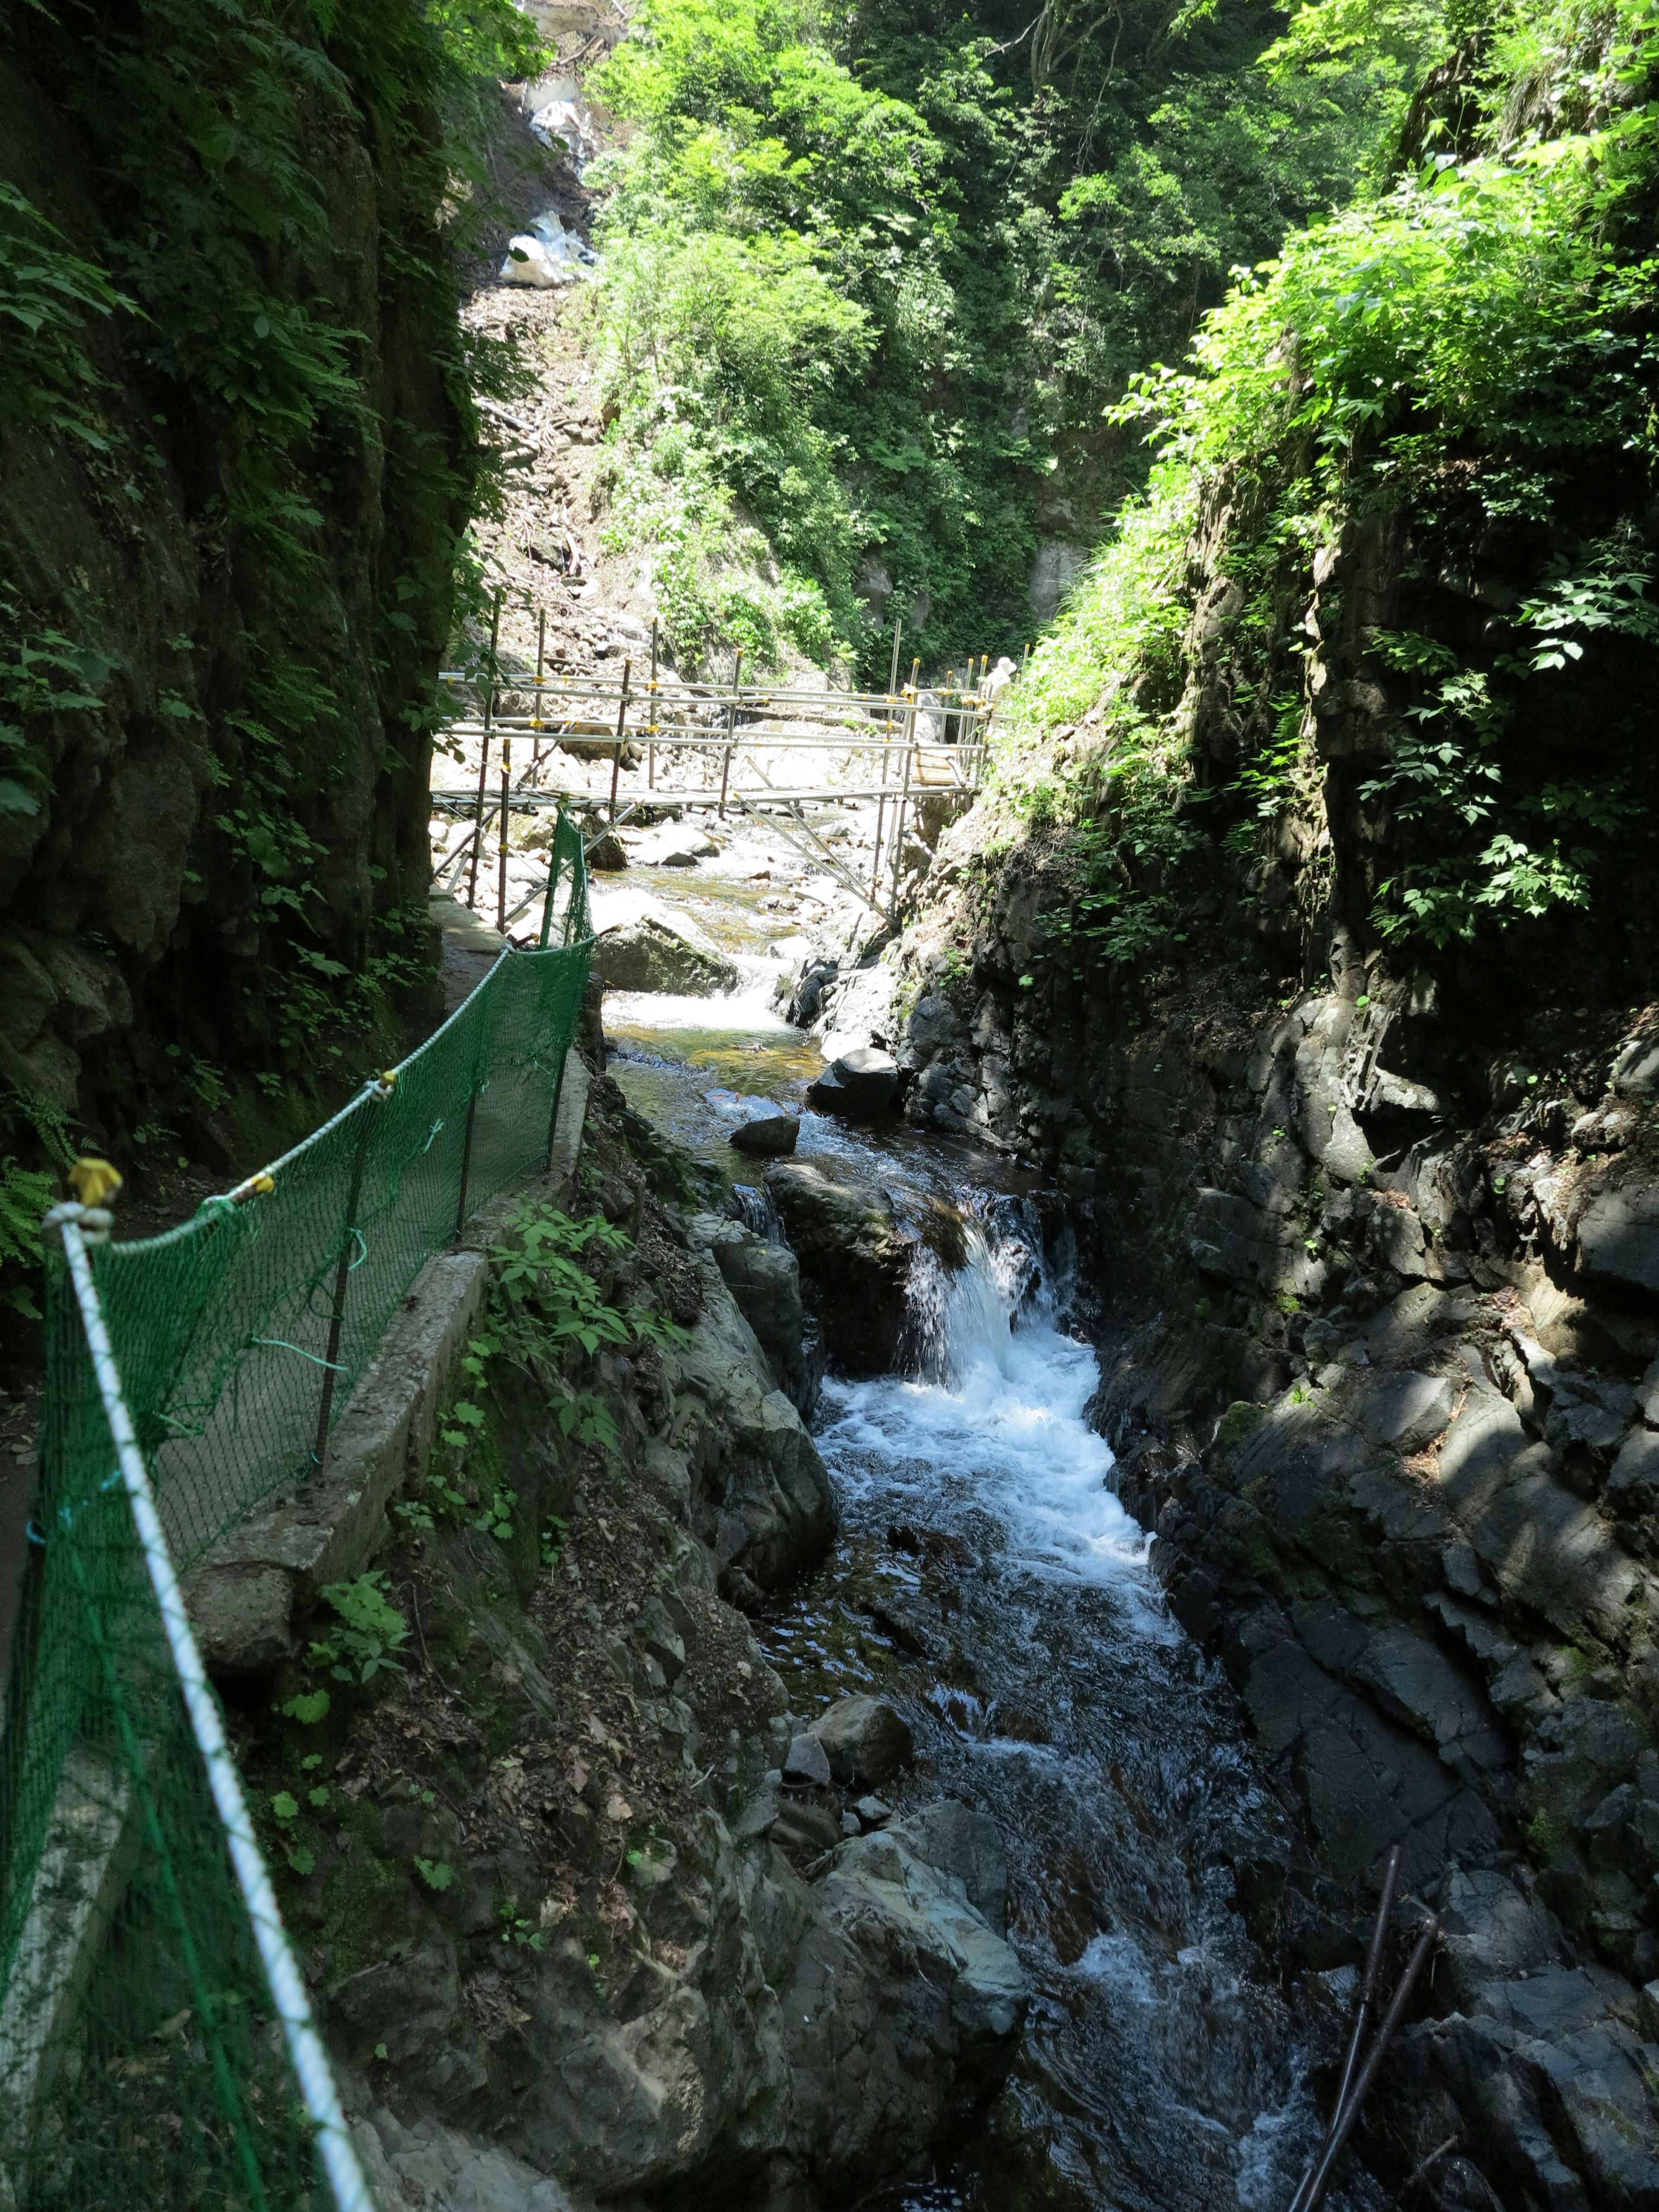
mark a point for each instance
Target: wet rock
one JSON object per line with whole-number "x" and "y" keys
{"x": 874, "y": 1812}
{"x": 770, "y": 1134}
{"x": 904, "y": 2002}
{"x": 806, "y": 1000}
{"x": 866, "y": 1741}
{"x": 856, "y": 1257}
{"x": 764, "y": 1279}
{"x": 647, "y": 954}
{"x": 968, "y": 1845}
{"x": 862, "y": 1084}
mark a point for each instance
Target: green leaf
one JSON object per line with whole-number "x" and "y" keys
{"x": 310, "y": 1706}
{"x": 285, "y": 1807}
{"x": 302, "y": 1861}
{"x": 435, "y": 1874}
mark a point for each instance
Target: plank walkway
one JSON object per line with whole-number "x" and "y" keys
{"x": 756, "y": 749}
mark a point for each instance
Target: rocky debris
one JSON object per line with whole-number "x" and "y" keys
{"x": 904, "y": 1994}
{"x": 425, "y": 2165}
{"x": 805, "y": 1002}
{"x": 862, "y": 1084}
{"x": 807, "y": 1761}
{"x": 864, "y": 1741}
{"x": 855, "y": 1255}
{"x": 655, "y": 954}
{"x": 773, "y": 1135}
{"x": 764, "y": 1279}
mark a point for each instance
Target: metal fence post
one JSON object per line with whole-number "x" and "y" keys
{"x": 541, "y": 657}
{"x": 466, "y": 1160}
{"x": 376, "y": 1095}
{"x": 904, "y": 795}
{"x": 552, "y": 880}
{"x": 651, "y": 738}
{"x": 730, "y": 728}
{"x": 621, "y": 724}
{"x": 501, "y": 849}
{"x": 483, "y": 758}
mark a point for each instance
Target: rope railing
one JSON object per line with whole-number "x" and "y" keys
{"x": 157, "y": 2047}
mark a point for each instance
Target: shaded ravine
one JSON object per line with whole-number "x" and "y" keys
{"x": 986, "y": 1579}
{"x": 1160, "y": 2065}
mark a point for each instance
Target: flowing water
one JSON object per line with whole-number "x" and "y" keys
{"x": 986, "y": 1579}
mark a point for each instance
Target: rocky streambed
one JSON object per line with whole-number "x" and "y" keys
{"x": 811, "y": 1801}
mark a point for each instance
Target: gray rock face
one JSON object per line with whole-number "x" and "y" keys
{"x": 428, "y": 2166}
{"x": 856, "y": 1257}
{"x": 903, "y": 1995}
{"x": 865, "y": 1742}
{"x": 764, "y": 1279}
{"x": 647, "y": 955}
{"x": 1619, "y": 1237}
{"x": 1238, "y": 1241}
{"x": 765, "y": 1505}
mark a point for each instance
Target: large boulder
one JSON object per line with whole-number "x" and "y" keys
{"x": 648, "y": 954}
{"x": 764, "y": 1279}
{"x": 855, "y": 1256}
{"x": 864, "y": 1740}
{"x": 906, "y": 2000}
{"x": 761, "y": 1496}
{"x": 861, "y": 1083}
{"x": 769, "y": 1135}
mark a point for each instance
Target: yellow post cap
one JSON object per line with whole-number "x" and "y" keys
{"x": 94, "y": 1181}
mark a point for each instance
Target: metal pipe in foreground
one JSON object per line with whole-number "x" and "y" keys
{"x": 1385, "y": 2034}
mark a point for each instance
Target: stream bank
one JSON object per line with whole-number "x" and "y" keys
{"x": 1379, "y": 1341}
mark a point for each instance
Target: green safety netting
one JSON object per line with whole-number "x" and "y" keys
{"x": 141, "y": 2061}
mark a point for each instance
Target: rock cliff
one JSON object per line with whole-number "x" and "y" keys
{"x": 233, "y": 468}
{"x": 1376, "y": 1246}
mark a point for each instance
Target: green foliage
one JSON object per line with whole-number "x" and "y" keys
{"x": 1455, "y": 349}
{"x": 25, "y": 1195}
{"x": 371, "y": 1634}
{"x": 862, "y": 277}
{"x": 46, "y": 294}
{"x": 212, "y": 135}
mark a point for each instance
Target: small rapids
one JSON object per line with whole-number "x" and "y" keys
{"x": 988, "y": 1577}
{"x": 988, "y": 1580}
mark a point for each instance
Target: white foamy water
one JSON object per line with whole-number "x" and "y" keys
{"x": 748, "y": 1012}
{"x": 996, "y": 1421}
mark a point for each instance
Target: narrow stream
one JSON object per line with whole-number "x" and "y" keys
{"x": 986, "y": 1579}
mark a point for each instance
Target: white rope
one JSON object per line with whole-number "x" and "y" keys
{"x": 304, "y": 2049}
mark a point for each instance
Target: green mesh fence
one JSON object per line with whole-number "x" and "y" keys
{"x": 142, "y": 2061}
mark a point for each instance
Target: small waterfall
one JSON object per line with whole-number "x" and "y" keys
{"x": 755, "y": 1209}
{"x": 963, "y": 1317}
